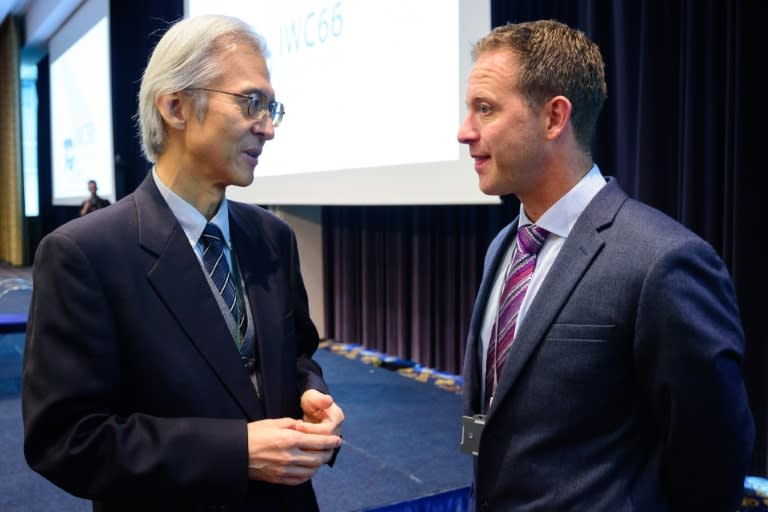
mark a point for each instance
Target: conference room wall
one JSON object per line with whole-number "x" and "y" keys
{"x": 307, "y": 223}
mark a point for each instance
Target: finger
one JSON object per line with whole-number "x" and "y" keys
{"x": 280, "y": 422}
{"x": 318, "y": 442}
{"x": 323, "y": 428}
{"x": 314, "y": 402}
{"x": 286, "y": 475}
{"x": 313, "y": 459}
{"x": 329, "y": 423}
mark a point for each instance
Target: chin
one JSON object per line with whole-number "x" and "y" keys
{"x": 489, "y": 188}
{"x": 243, "y": 182}
{"x": 497, "y": 187}
{"x": 242, "y": 177}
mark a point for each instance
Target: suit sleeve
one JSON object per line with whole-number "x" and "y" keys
{"x": 309, "y": 372}
{"x": 75, "y": 433}
{"x": 690, "y": 346}
{"x": 310, "y": 375}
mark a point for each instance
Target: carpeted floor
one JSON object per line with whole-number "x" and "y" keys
{"x": 401, "y": 438}
{"x": 22, "y": 490}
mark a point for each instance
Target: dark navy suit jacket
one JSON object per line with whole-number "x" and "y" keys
{"x": 623, "y": 389}
{"x": 133, "y": 391}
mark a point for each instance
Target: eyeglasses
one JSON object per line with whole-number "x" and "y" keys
{"x": 259, "y": 105}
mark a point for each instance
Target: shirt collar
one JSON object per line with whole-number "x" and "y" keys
{"x": 561, "y": 216}
{"x": 190, "y": 219}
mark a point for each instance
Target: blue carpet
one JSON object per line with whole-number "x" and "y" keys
{"x": 21, "y": 489}
{"x": 11, "y": 349}
{"x": 401, "y": 439}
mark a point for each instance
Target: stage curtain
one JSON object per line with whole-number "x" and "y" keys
{"x": 402, "y": 279}
{"x": 11, "y": 205}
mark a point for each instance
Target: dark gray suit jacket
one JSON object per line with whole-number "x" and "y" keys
{"x": 623, "y": 389}
{"x": 133, "y": 391}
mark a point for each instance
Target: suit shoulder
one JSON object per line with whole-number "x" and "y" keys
{"x": 99, "y": 225}
{"x": 257, "y": 214}
{"x": 645, "y": 218}
{"x": 651, "y": 234}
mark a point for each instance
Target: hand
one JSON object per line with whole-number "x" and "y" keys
{"x": 279, "y": 453}
{"x": 321, "y": 414}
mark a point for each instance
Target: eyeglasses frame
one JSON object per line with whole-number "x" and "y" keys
{"x": 275, "y": 109}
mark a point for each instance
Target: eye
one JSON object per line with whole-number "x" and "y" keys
{"x": 256, "y": 104}
{"x": 484, "y": 108}
{"x": 261, "y": 105}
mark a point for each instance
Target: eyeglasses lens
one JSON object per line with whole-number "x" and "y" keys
{"x": 261, "y": 106}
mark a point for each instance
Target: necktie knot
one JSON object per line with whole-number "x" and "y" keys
{"x": 530, "y": 238}
{"x": 211, "y": 235}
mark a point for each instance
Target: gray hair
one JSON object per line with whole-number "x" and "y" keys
{"x": 186, "y": 57}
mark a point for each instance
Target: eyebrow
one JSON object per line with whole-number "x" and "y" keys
{"x": 479, "y": 99}
{"x": 256, "y": 90}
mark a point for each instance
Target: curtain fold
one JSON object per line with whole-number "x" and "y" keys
{"x": 402, "y": 279}
{"x": 11, "y": 204}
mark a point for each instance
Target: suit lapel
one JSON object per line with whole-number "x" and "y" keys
{"x": 258, "y": 261}
{"x": 577, "y": 254}
{"x": 178, "y": 278}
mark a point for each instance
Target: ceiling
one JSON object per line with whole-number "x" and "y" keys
{"x": 14, "y": 6}
{"x": 41, "y": 17}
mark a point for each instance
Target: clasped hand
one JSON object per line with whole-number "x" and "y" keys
{"x": 289, "y": 451}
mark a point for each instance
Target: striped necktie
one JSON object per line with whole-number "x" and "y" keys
{"x": 529, "y": 240}
{"x": 218, "y": 269}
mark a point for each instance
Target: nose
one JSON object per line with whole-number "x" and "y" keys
{"x": 467, "y": 131}
{"x": 264, "y": 127}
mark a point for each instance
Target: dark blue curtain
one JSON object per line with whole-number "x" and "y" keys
{"x": 679, "y": 132}
{"x": 401, "y": 280}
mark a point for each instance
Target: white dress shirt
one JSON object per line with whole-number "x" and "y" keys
{"x": 193, "y": 222}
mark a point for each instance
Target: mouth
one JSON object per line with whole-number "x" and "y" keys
{"x": 253, "y": 153}
{"x": 479, "y": 159}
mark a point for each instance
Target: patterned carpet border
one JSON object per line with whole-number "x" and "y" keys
{"x": 404, "y": 367}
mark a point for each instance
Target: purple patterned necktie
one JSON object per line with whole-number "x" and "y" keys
{"x": 529, "y": 240}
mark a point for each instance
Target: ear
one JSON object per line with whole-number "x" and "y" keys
{"x": 558, "y": 113}
{"x": 171, "y": 109}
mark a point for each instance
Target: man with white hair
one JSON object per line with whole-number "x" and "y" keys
{"x": 168, "y": 361}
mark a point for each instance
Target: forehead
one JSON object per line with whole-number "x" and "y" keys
{"x": 244, "y": 68}
{"x": 494, "y": 67}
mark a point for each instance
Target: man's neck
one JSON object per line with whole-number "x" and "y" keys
{"x": 206, "y": 200}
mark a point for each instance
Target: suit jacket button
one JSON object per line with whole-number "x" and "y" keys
{"x": 484, "y": 507}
